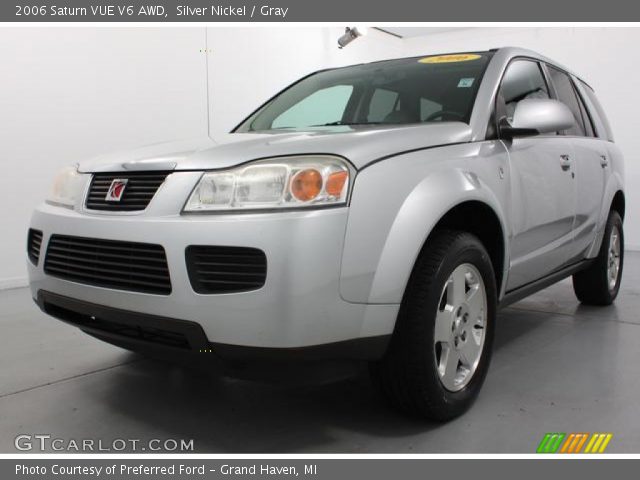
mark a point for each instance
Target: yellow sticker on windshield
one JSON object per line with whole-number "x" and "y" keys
{"x": 459, "y": 57}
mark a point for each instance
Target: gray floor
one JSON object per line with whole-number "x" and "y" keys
{"x": 558, "y": 366}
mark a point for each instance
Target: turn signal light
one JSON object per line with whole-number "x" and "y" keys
{"x": 335, "y": 183}
{"x": 306, "y": 185}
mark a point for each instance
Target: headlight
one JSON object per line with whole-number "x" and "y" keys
{"x": 66, "y": 188}
{"x": 291, "y": 182}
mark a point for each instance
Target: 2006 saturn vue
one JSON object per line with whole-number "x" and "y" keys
{"x": 378, "y": 212}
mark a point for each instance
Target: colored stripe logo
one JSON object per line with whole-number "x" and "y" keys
{"x": 574, "y": 442}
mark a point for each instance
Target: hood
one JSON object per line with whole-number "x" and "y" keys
{"x": 360, "y": 145}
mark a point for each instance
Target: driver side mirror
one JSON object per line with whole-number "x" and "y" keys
{"x": 537, "y": 115}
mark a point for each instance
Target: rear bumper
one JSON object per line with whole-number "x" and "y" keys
{"x": 142, "y": 331}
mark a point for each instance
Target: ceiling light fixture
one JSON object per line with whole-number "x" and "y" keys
{"x": 350, "y": 34}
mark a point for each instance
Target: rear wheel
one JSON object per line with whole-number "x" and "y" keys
{"x": 599, "y": 284}
{"x": 441, "y": 348}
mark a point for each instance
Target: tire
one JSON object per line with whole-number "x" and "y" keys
{"x": 413, "y": 374}
{"x": 599, "y": 284}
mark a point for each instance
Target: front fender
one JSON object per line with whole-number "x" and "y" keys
{"x": 396, "y": 204}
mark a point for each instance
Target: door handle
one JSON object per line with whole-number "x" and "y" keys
{"x": 565, "y": 162}
{"x": 604, "y": 161}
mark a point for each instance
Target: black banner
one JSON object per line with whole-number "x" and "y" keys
{"x": 310, "y": 469}
{"x": 317, "y": 11}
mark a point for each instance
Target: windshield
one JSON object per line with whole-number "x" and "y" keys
{"x": 411, "y": 90}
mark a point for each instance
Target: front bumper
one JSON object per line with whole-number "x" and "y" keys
{"x": 138, "y": 331}
{"x": 299, "y": 306}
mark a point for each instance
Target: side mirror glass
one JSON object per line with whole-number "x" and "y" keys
{"x": 537, "y": 115}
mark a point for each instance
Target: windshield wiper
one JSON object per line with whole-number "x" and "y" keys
{"x": 340, "y": 122}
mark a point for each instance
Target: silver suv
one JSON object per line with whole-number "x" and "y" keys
{"x": 378, "y": 212}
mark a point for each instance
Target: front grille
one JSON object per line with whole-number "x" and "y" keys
{"x": 34, "y": 242}
{"x": 138, "y": 192}
{"x": 138, "y": 267}
{"x": 225, "y": 269}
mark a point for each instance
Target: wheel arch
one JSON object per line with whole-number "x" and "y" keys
{"x": 619, "y": 203}
{"x": 613, "y": 199}
{"x": 480, "y": 219}
{"x": 475, "y": 211}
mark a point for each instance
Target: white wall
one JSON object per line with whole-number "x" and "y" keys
{"x": 606, "y": 57}
{"x": 72, "y": 93}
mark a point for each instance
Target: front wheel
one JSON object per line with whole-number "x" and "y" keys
{"x": 599, "y": 284}
{"x": 440, "y": 351}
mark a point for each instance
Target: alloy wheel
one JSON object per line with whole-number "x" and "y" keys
{"x": 460, "y": 327}
{"x": 613, "y": 261}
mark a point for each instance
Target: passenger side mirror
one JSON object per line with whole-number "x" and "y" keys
{"x": 537, "y": 115}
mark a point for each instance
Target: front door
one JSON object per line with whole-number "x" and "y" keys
{"x": 543, "y": 185}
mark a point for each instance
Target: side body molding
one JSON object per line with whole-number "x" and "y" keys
{"x": 387, "y": 228}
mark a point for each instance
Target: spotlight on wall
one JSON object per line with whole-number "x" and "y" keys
{"x": 350, "y": 34}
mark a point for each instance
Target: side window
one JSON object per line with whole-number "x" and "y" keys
{"x": 588, "y": 124}
{"x": 598, "y": 112}
{"x": 382, "y": 103}
{"x": 324, "y": 106}
{"x": 567, "y": 95}
{"x": 523, "y": 79}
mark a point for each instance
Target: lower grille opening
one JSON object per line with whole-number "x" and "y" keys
{"x": 34, "y": 243}
{"x": 144, "y": 334}
{"x": 138, "y": 267}
{"x": 215, "y": 269}
{"x": 117, "y": 325}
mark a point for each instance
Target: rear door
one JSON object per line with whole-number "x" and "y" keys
{"x": 590, "y": 163}
{"x": 543, "y": 187}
